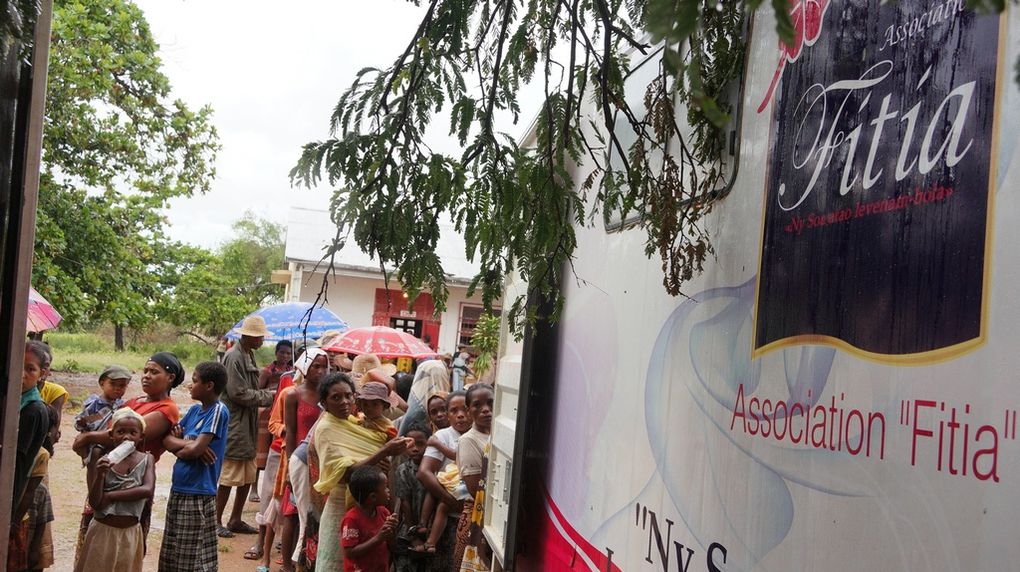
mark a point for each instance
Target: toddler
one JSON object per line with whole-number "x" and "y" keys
{"x": 98, "y": 408}
{"x": 367, "y": 530}
{"x": 373, "y": 400}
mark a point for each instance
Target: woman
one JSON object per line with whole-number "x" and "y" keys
{"x": 290, "y": 424}
{"x": 339, "y": 445}
{"x": 269, "y": 378}
{"x": 432, "y": 378}
{"x": 162, "y": 373}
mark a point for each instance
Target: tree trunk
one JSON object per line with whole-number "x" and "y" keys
{"x": 118, "y": 337}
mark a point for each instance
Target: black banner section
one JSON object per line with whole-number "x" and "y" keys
{"x": 878, "y": 192}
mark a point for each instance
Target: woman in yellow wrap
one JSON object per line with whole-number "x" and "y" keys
{"x": 340, "y": 444}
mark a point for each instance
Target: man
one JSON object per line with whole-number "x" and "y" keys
{"x": 243, "y": 399}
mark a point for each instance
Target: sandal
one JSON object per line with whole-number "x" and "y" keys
{"x": 223, "y": 532}
{"x": 253, "y": 553}
{"x": 243, "y": 528}
{"x": 262, "y": 569}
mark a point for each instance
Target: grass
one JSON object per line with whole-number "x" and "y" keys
{"x": 90, "y": 352}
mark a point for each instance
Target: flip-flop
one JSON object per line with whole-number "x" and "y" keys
{"x": 254, "y": 498}
{"x": 223, "y": 532}
{"x": 262, "y": 569}
{"x": 243, "y": 528}
{"x": 253, "y": 553}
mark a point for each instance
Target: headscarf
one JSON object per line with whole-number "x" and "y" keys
{"x": 304, "y": 361}
{"x": 171, "y": 364}
{"x": 127, "y": 413}
{"x": 432, "y": 377}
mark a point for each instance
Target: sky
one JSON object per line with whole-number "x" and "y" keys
{"x": 272, "y": 73}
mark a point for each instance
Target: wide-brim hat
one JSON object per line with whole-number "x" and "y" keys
{"x": 255, "y": 327}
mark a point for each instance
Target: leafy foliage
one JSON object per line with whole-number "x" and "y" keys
{"x": 516, "y": 205}
{"x": 116, "y": 150}
{"x": 216, "y": 290}
{"x": 485, "y": 340}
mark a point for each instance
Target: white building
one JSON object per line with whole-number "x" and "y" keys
{"x": 356, "y": 291}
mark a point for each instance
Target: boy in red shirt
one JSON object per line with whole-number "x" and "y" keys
{"x": 367, "y": 530}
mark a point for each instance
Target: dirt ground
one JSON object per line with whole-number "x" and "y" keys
{"x": 67, "y": 487}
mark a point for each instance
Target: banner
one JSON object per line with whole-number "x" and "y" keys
{"x": 878, "y": 192}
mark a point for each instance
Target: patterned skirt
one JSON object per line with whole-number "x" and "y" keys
{"x": 189, "y": 539}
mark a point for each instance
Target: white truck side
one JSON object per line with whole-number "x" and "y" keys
{"x": 840, "y": 390}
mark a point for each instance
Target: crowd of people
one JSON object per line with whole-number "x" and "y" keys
{"x": 354, "y": 466}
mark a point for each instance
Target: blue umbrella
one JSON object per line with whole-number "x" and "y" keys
{"x": 291, "y": 320}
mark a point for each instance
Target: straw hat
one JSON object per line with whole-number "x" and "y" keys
{"x": 255, "y": 327}
{"x": 365, "y": 362}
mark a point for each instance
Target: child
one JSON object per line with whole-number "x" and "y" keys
{"x": 199, "y": 442}
{"x": 410, "y": 495}
{"x": 98, "y": 408}
{"x": 118, "y": 493}
{"x": 435, "y": 405}
{"x": 440, "y": 455}
{"x": 373, "y": 400}
{"x": 367, "y": 529}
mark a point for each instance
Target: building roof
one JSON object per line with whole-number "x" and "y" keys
{"x": 310, "y": 231}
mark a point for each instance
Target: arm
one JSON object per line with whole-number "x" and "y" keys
{"x": 290, "y": 408}
{"x": 188, "y": 449}
{"x": 264, "y": 377}
{"x": 156, "y": 426}
{"x": 238, "y": 391}
{"x": 58, "y": 404}
{"x": 393, "y": 447}
{"x": 447, "y": 451}
{"x": 84, "y": 442}
{"x": 142, "y": 491}
{"x": 427, "y": 476}
{"x": 27, "y": 498}
{"x": 96, "y": 476}
{"x": 470, "y": 460}
{"x": 473, "y": 483}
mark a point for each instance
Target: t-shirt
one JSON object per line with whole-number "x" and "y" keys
{"x": 193, "y": 476}
{"x": 51, "y": 392}
{"x": 96, "y": 413}
{"x": 166, "y": 407}
{"x": 471, "y": 452}
{"x": 358, "y": 527}
{"x": 449, "y": 437}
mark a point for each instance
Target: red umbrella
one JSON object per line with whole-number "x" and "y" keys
{"x": 381, "y": 341}
{"x": 42, "y": 315}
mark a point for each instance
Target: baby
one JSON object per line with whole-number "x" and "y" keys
{"x": 373, "y": 400}
{"x": 98, "y": 409}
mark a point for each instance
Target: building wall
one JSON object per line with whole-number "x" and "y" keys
{"x": 353, "y": 299}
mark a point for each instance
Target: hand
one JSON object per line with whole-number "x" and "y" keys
{"x": 389, "y": 527}
{"x": 176, "y": 431}
{"x": 209, "y": 456}
{"x": 398, "y": 445}
{"x": 103, "y": 464}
